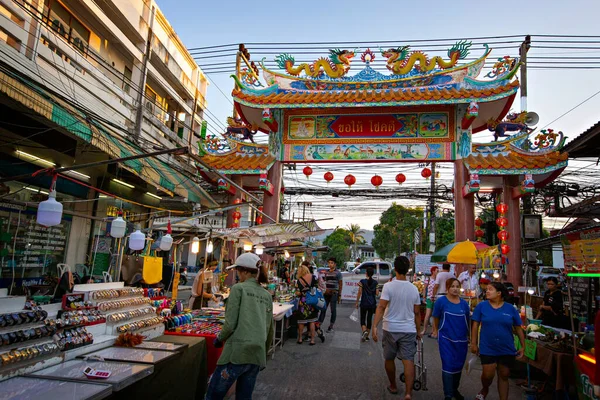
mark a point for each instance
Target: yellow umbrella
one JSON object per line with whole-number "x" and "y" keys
{"x": 459, "y": 252}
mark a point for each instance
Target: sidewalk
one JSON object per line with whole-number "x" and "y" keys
{"x": 345, "y": 368}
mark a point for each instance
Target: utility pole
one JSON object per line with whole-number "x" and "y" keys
{"x": 304, "y": 204}
{"x": 523, "y": 54}
{"x": 432, "y": 211}
{"x": 139, "y": 115}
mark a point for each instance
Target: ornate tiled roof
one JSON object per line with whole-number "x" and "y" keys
{"x": 516, "y": 161}
{"x": 368, "y": 97}
{"x": 235, "y": 162}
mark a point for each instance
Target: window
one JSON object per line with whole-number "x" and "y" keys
{"x": 384, "y": 269}
{"x": 66, "y": 25}
{"x": 127, "y": 80}
{"x": 9, "y": 14}
{"x": 363, "y": 268}
{"x": 10, "y": 40}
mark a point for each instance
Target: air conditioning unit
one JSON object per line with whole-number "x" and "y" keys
{"x": 532, "y": 256}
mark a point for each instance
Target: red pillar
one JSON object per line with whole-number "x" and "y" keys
{"x": 271, "y": 204}
{"x": 464, "y": 207}
{"x": 514, "y": 268}
{"x": 231, "y": 249}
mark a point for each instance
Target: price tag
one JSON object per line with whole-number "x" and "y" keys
{"x": 530, "y": 348}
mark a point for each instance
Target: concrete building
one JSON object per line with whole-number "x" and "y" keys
{"x": 86, "y": 81}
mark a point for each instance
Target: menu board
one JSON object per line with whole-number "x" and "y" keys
{"x": 580, "y": 289}
{"x": 581, "y": 251}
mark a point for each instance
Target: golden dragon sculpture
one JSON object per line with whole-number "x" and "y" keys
{"x": 401, "y": 62}
{"x": 336, "y": 66}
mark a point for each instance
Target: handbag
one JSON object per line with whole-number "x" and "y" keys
{"x": 314, "y": 297}
{"x": 131, "y": 266}
{"x": 152, "y": 268}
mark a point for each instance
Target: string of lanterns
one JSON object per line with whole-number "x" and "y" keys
{"x": 375, "y": 180}
{"x": 479, "y": 233}
{"x": 502, "y": 223}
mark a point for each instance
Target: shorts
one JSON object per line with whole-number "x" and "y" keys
{"x": 429, "y": 304}
{"x": 400, "y": 345}
{"x": 507, "y": 360}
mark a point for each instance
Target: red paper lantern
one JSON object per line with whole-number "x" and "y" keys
{"x": 236, "y": 215}
{"x": 505, "y": 248}
{"x": 307, "y": 171}
{"x": 479, "y": 233}
{"x": 502, "y": 208}
{"x": 349, "y": 180}
{"x": 426, "y": 173}
{"x": 376, "y": 181}
{"x": 400, "y": 178}
{"x": 502, "y": 222}
{"x": 478, "y": 222}
{"x": 258, "y": 220}
{"x": 503, "y": 235}
{"x": 237, "y": 201}
{"x": 328, "y": 176}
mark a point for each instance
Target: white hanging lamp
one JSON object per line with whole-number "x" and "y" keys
{"x": 50, "y": 211}
{"x": 118, "y": 226}
{"x": 167, "y": 240}
{"x": 195, "y": 245}
{"x": 137, "y": 240}
{"x": 286, "y": 254}
{"x": 247, "y": 246}
{"x": 210, "y": 247}
{"x": 259, "y": 249}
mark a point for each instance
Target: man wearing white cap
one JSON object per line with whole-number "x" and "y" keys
{"x": 247, "y": 332}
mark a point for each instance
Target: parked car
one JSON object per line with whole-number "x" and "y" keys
{"x": 383, "y": 270}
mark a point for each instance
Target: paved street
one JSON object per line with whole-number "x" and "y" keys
{"x": 345, "y": 368}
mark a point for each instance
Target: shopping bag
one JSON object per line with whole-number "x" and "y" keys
{"x": 354, "y": 316}
{"x": 131, "y": 266}
{"x": 470, "y": 364}
{"x": 315, "y": 298}
{"x": 152, "y": 269}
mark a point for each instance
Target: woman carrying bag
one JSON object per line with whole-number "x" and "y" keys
{"x": 367, "y": 294}
{"x": 307, "y": 314}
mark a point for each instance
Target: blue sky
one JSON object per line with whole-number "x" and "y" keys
{"x": 551, "y": 92}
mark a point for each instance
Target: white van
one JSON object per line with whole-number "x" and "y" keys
{"x": 383, "y": 270}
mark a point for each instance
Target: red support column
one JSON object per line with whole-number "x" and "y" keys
{"x": 514, "y": 268}
{"x": 271, "y": 204}
{"x": 464, "y": 207}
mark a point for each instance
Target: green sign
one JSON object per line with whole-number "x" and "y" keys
{"x": 517, "y": 342}
{"x": 530, "y": 348}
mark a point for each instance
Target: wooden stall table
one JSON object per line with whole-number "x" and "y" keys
{"x": 555, "y": 364}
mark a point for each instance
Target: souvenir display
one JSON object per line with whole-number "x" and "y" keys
{"x": 117, "y": 304}
{"x": 116, "y": 293}
{"x": 154, "y": 292}
{"x": 73, "y": 338}
{"x": 137, "y": 325}
{"x": 177, "y": 320}
{"x": 78, "y": 318}
{"x": 23, "y": 335}
{"x": 127, "y": 315}
{"x": 160, "y": 304}
{"x": 200, "y": 328}
{"x": 22, "y": 317}
{"x": 75, "y": 301}
{"x": 27, "y": 353}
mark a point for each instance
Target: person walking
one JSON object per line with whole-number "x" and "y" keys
{"x": 430, "y": 300}
{"x": 439, "y": 289}
{"x": 495, "y": 344}
{"x": 451, "y": 316}
{"x": 246, "y": 333}
{"x": 333, "y": 284}
{"x": 367, "y": 296}
{"x": 201, "y": 291}
{"x": 307, "y": 314}
{"x": 399, "y": 307}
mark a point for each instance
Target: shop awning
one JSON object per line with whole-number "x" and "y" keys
{"x": 271, "y": 232}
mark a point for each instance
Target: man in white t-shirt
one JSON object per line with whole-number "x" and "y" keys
{"x": 439, "y": 289}
{"x": 469, "y": 281}
{"x": 399, "y": 307}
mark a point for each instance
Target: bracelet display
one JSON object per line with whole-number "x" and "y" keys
{"x": 22, "y": 317}
{"x": 127, "y": 315}
{"x": 73, "y": 338}
{"x": 116, "y": 293}
{"x": 177, "y": 320}
{"x": 28, "y": 353}
{"x": 135, "y": 326}
{"x": 116, "y": 304}
{"x": 75, "y": 318}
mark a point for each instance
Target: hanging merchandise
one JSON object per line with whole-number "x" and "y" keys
{"x": 50, "y": 211}
{"x": 376, "y": 181}
{"x": 328, "y": 177}
{"x": 167, "y": 240}
{"x": 118, "y": 226}
{"x": 137, "y": 240}
{"x": 400, "y": 178}
{"x": 426, "y": 173}
{"x": 502, "y": 223}
{"x": 307, "y": 171}
{"x": 349, "y": 180}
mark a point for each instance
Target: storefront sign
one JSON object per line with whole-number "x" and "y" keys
{"x": 581, "y": 249}
{"x": 423, "y": 264}
{"x": 350, "y": 287}
{"x": 585, "y": 385}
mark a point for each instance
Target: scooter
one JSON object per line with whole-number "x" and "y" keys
{"x": 183, "y": 276}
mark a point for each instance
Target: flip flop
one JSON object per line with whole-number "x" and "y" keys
{"x": 389, "y": 389}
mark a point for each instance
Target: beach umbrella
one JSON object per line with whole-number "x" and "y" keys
{"x": 459, "y": 252}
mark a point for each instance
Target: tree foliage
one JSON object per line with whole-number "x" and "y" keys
{"x": 339, "y": 243}
{"x": 444, "y": 230}
{"x": 395, "y": 232}
{"x": 356, "y": 238}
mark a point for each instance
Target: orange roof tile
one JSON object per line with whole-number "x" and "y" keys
{"x": 515, "y": 161}
{"x": 235, "y": 161}
{"x": 368, "y": 96}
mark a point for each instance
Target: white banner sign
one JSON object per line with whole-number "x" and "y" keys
{"x": 350, "y": 287}
{"x": 423, "y": 264}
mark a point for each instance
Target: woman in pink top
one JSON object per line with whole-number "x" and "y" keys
{"x": 430, "y": 299}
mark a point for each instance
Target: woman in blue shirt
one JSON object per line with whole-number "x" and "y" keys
{"x": 451, "y": 326}
{"x": 495, "y": 344}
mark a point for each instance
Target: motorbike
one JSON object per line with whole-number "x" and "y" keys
{"x": 183, "y": 276}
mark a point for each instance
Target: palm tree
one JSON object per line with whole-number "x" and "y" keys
{"x": 356, "y": 237}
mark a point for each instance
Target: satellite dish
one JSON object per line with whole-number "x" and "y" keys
{"x": 531, "y": 119}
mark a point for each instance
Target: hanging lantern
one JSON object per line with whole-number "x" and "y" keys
{"x": 286, "y": 254}
{"x": 478, "y": 222}
{"x": 259, "y": 217}
{"x": 503, "y": 235}
{"x": 426, "y": 173}
{"x": 376, "y": 181}
{"x": 167, "y": 240}
{"x": 50, "y": 211}
{"x": 502, "y": 208}
{"x": 307, "y": 171}
{"x": 195, "y": 245}
{"x": 236, "y": 215}
{"x": 118, "y": 226}
{"x": 237, "y": 201}
{"x": 210, "y": 247}
{"x": 505, "y": 248}
{"x": 259, "y": 249}
{"x": 479, "y": 233}
{"x": 400, "y": 178}
{"x": 328, "y": 176}
{"x": 137, "y": 240}
{"x": 502, "y": 222}
{"x": 247, "y": 246}
{"x": 349, "y": 180}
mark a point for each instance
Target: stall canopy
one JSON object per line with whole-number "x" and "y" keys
{"x": 271, "y": 232}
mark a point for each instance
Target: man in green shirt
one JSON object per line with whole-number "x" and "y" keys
{"x": 247, "y": 332}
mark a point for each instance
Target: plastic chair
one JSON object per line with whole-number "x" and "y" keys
{"x": 106, "y": 276}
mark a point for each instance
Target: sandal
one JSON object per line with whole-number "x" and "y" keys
{"x": 311, "y": 343}
{"x": 298, "y": 342}
{"x": 389, "y": 389}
